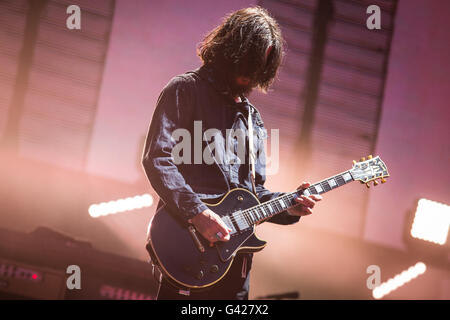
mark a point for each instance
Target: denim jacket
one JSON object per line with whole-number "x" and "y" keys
{"x": 191, "y": 99}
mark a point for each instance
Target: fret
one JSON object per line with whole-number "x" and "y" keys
{"x": 312, "y": 190}
{"x": 347, "y": 177}
{"x": 269, "y": 205}
{"x": 281, "y": 203}
{"x": 273, "y": 211}
{"x": 332, "y": 183}
{"x": 277, "y": 209}
{"x": 290, "y": 200}
{"x": 261, "y": 212}
{"x": 247, "y": 216}
{"x": 266, "y": 211}
{"x": 272, "y": 207}
{"x": 258, "y": 213}
{"x": 343, "y": 178}
{"x": 253, "y": 216}
{"x": 318, "y": 188}
{"x": 326, "y": 186}
{"x": 340, "y": 181}
{"x": 275, "y": 206}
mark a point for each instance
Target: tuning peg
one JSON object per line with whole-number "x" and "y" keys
{"x": 367, "y": 185}
{"x": 363, "y": 159}
{"x": 375, "y": 183}
{"x": 354, "y": 161}
{"x": 369, "y": 157}
{"x": 383, "y": 180}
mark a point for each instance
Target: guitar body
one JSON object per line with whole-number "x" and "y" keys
{"x": 195, "y": 265}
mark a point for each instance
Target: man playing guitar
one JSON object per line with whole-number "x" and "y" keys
{"x": 242, "y": 53}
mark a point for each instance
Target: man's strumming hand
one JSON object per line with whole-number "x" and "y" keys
{"x": 211, "y": 226}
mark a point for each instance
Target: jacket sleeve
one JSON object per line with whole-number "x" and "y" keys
{"x": 174, "y": 108}
{"x": 264, "y": 194}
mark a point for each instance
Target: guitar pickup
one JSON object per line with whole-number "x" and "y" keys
{"x": 229, "y": 224}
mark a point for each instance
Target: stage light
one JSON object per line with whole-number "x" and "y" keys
{"x": 120, "y": 205}
{"x": 399, "y": 280}
{"x": 431, "y": 221}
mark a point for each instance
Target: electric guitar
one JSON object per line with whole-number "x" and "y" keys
{"x": 187, "y": 260}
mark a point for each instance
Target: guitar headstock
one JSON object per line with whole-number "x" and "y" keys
{"x": 369, "y": 170}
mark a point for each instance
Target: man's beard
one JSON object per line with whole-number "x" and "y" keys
{"x": 239, "y": 90}
{"x": 233, "y": 88}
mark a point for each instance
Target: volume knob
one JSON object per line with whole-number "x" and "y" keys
{"x": 200, "y": 275}
{"x": 214, "y": 268}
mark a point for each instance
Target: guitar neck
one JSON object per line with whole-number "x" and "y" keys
{"x": 272, "y": 207}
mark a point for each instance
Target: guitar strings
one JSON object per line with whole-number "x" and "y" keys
{"x": 247, "y": 215}
{"x": 250, "y": 214}
{"x": 249, "y": 218}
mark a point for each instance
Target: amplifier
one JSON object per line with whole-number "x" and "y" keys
{"x": 35, "y": 266}
{"x": 21, "y": 280}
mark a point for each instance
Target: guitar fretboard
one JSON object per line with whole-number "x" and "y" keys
{"x": 245, "y": 219}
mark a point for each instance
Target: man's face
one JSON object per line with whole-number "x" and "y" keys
{"x": 243, "y": 84}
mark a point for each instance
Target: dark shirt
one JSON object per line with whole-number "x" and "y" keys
{"x": 201, "y": 95}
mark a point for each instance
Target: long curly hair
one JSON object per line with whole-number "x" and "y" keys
{"x": 239, "y": 45}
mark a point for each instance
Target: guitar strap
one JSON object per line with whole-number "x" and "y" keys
{"x": 251, "y": 153}
{"x": 251, "y": 156}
